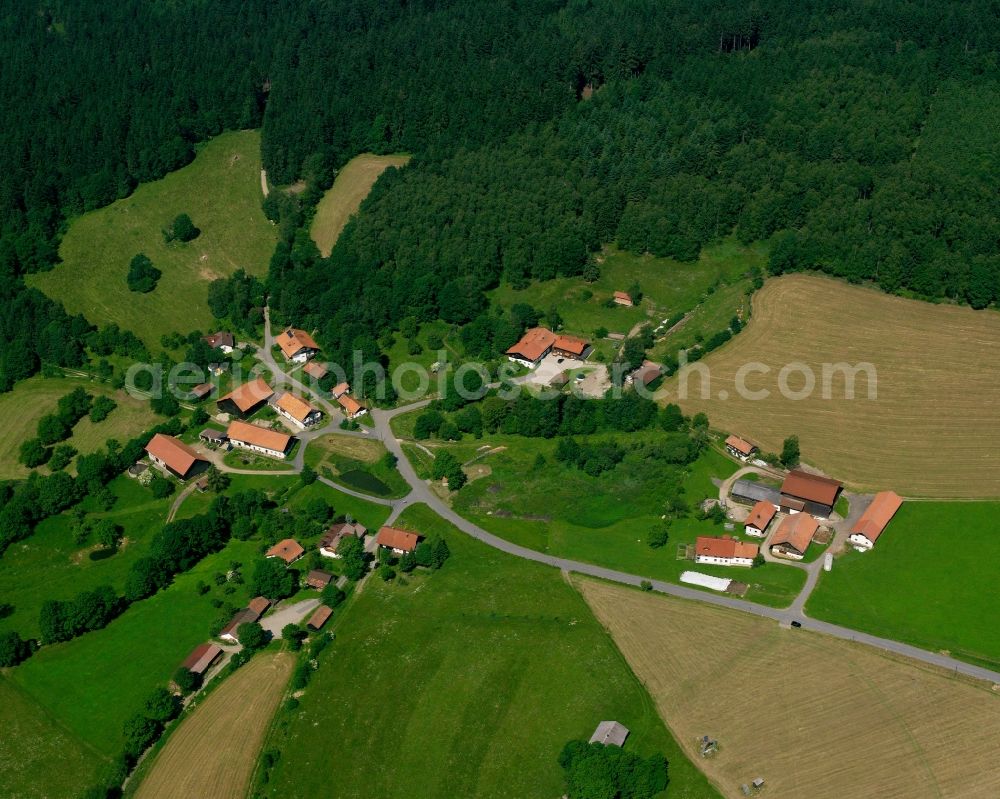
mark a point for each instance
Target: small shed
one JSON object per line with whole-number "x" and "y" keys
{"x": 202, "y": 657}
{"x": 319, "y": 617}
{"x": 212, "y": 436}
{"x": 318, "y": 579}
{"x": 610, "y": 733}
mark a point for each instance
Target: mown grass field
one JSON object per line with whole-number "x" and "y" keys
{"x": 91, "y": 684}
{"x": 39, "y": 759}
{"x": 345, "y": 196}
{"x": 669, "y": 287}
{"x": 51, "y": 565}
{"x": 220, "y": 190}
{"x": 606, "y": 519}
{"x": 931, "y": 431}
{"x": 356, "y": 463}
{"x": 463, "y": 682}
{"x": 34, "y": 398}
{"x": 214, "y": 750}
{"x": 930, "y": 581}
{"x": 815, "y": 716}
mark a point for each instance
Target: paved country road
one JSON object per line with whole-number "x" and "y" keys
{"x": 421, "y": 493}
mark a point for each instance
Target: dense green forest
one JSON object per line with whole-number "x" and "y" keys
{"x": 860, "y": 135}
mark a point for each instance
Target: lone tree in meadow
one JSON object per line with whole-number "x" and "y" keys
{"x": 142, "y": 275}
{"x": 790, "y": 452}
{"x": 181, "y": 229}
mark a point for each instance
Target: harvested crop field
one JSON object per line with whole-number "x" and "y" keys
{"x": 346, "y": 194}
{"x": 931, "y": 429}
{"x": 814, "y": 716}
{"x": 214, "y": 751}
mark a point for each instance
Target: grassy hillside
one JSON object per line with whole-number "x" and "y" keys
{"x": 51, "y": 565}
{"x": 34, "y": 398}
{"x": 220, "y": 191}
{"x": 349, "y": 190}
{"x": 929, "y": 581}
{"x": 39, "y": 758}
{"x": 463, "y": 682}
{"x": 926, "y": 431}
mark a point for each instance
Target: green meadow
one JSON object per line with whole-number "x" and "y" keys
{"x": 712, "y": 289}
{"x": 929, "y": 581}
{"x": 37, "y": 396}
{"x": 464, "y": 682}
{"x": 604, "y": 520}
{"x": 220, "y": 191}
{"x": 51, "y": 565}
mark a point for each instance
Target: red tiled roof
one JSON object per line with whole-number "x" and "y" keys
{"x": 293, "y": 340}
{"x": 533, "y": 344}
{"x": 201, "y": 657}
{"x": 259, "y": 605}
{"x": 740, "y": 445}
{"x": 177, "y": 455}
{"x": 296, "y": 407}
{"x": 796, "y": 531}
{"x": 877, "y": 515}
{"x": 397, "y": 539}
{"x": 258, "y": 436}
{"x": 318, "y": 578}
{"x": 811, "y": 487}
{"x": 570, "y": 344}
{"x": 315, "y": 369}
{"x": 623, "y": 296}
{"x": 724, "y": 547}
{"x": 761, "y": 514}
{"x": 288, "y": 550}
{"x": 340, "y": 388}
{"x": 320, "y": 617}
{"x": 221, "y": 339}
{"x": 338, "y": 531}
{"x": 350, "y": 405}
{"x": 647, "y": 373}
{"x": 249, "y": 394}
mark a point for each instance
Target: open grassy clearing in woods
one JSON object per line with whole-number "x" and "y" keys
{"x": 345, "y": 196}
{"x": 930, "y": 581}
{"x": 37, "y": 396}
{"x": 215, "y": 748}
{"x": 814, "y": 716}
{"x": 669, "y": 287}
{"x": 932, "y": 430}
{"x": 605, "y": 520}
{"x": 221, "y": 193}
{"x": 463, "y": 682}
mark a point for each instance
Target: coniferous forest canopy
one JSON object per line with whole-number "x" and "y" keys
{"x": 860, "y": 137}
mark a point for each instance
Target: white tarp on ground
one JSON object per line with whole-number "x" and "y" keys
{"x": 706, "y": 580}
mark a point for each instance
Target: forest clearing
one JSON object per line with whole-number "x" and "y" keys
{"x": 349, "y": 190}
{"x": 220, "y": 191}
{"x": 928, "y": 432}
{"x": 806, "y": 712}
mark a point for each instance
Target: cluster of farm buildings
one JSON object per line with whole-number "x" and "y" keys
{"x": 289, "y": 551}
{"x": 244, "y": 401}
{"x": 789, "y": 515}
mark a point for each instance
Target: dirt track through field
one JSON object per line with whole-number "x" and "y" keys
{"x": 814, "y": 716}
{"x": 932, "y": 431}
{"x": 214, "y": 751}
